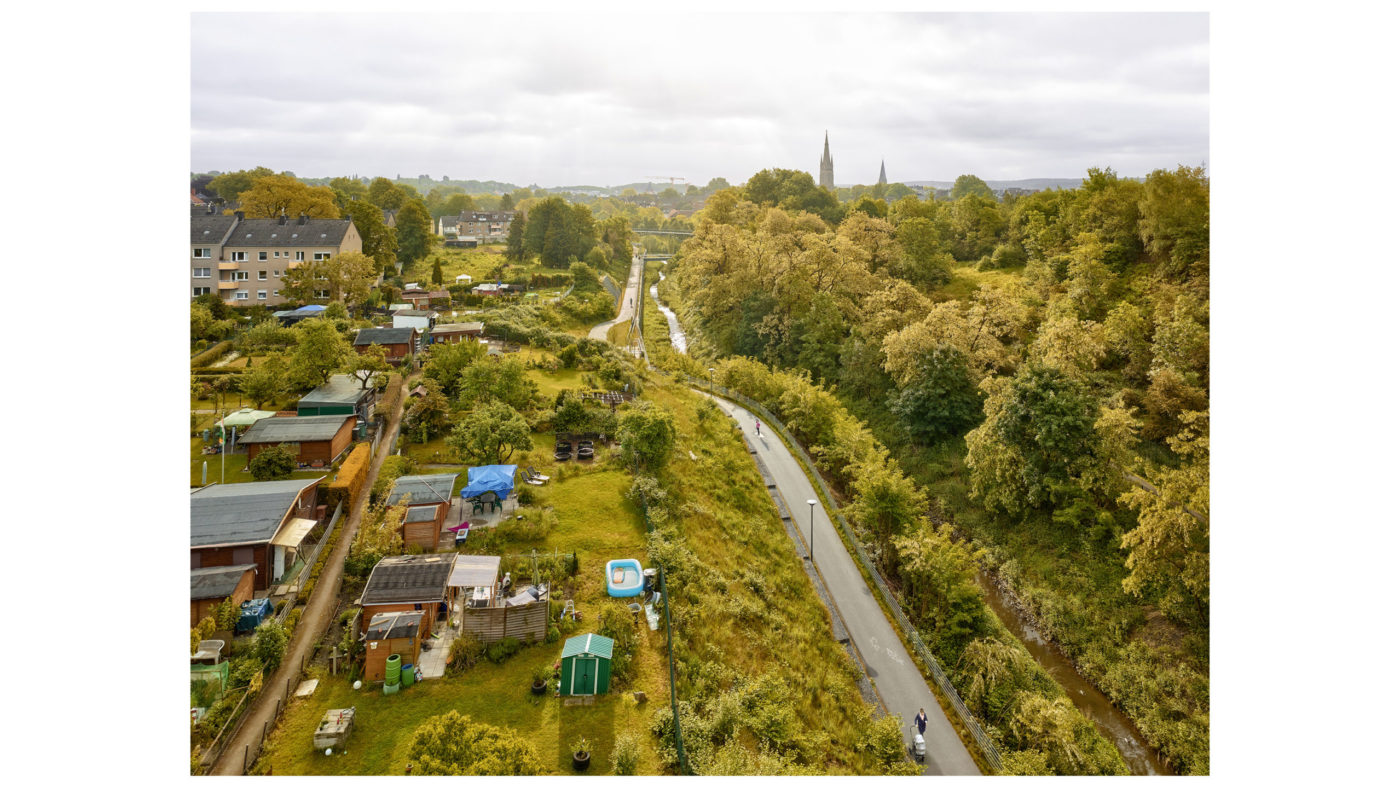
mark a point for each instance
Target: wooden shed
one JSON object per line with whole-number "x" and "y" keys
{"x": 407, "y": 583}
{"x": 428, "y": 499}
{"x": 586, "y": 665}
{"x": 389, "y": 634}
{"x": 317, "y": 439}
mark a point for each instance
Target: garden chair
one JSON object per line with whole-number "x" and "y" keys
{"x": 489, "y": 498}
{"x": 476, "y": 505}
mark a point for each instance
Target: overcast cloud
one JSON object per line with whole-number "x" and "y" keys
{"x": 609, "y": 99}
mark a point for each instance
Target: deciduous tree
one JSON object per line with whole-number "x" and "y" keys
{"x": 647, "y": 432}
{"x": 274, "y": 462}
{"x": 414, "y": 228}
{"x": 490, "y": 434}
{"x": 941, "y": 398}
{"x": 271, "y": 196}
{"x": 266, "y": 382}
{"x": 452, "y": 744}
{"x": 346, "y": 277}
{"x": 320, "y": 352}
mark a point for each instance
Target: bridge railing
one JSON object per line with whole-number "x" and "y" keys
{"x": 984, "y": 742}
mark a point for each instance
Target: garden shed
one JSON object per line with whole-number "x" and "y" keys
{"x": 388, "y": 634}
{"x": 586, "y": 665}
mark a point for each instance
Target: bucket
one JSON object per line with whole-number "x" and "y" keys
{"x": 390, "y": 689}
{"x": 407, "y": 674}
{"x": 392, "y": 669}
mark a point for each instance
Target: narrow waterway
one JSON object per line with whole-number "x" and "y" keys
{"x": 677, "y": 334}
{"x": 1112, "y": 723}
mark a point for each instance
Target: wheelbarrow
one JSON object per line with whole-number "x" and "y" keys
{"x": 916, "y": 746}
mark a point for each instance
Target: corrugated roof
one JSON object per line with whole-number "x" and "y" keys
{"x": 408, "y": 578}
{"x": 339, "y": 390}
{"x": 596, "y": 645}
{"x": 434, "y": 488}
{"x": 393, "y": 625}
{"x": 475, "y": 571}
{"x": 456, "y": 328}
{"x": 294, "y": 429}
{"x": 248, "y": 513}
{"x": 216, "y": 581}
{"x": 384, "y": 336}
{"x": 267, "y": 232}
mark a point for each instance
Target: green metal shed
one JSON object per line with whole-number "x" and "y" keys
{"x": 586, "y": 665}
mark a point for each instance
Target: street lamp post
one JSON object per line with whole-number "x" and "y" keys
{"x": 811, "y": 529}
{"x": 712, "y": 380}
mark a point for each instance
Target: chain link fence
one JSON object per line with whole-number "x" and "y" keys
{"x": 988, "y": 747}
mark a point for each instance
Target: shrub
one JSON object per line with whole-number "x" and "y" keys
{"x": 274, "y": 462}
{"x": 292, "y": 619}
{"x": 618, "y": 624}
{"x": 393, "y": 467}
{"x": 627, "y": 752}
{"x": 552, "y": 634}
{"x": 465, "y": 651}
{"x": 270, "y": 643}
{"x": 502, "y": 650}
{"x": 211, "y": 355}
{"x": 353, "y": 472}
{"x": 452, "y": 744}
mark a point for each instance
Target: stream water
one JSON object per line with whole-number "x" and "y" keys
{"x": 677, "y": 334}
{"x": 1112, "y": 723}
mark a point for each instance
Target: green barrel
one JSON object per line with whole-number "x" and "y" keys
{"x": 391, "y": 669}
{"x": 390, "y": 689}
{"x": 407, "y": 675}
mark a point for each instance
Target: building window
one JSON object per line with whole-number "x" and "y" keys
{"x": 202, "y": 253}
{"x": 240, "y": 257}
{"x": 262, "y": 276}
{"x": 276, "y": 293}
{"x": 262, "y": 295}
{"x": 321, "y": 256}
{"x": 323, "y": 294}
{"x": 276, "y": 254}
{"x": 240, "y": 276}
{"x": 277, "y": 274}
{"x": 301, "y": 255}
{"x": 241, "y": 295}
{"x": 199, "y": 291}
{"x": 201, "y": 273}
{"x": 262, "y": 255}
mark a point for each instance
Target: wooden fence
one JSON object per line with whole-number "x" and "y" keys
{"x": 518, "y": 621}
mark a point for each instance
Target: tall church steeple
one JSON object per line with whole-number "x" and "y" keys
{"x": 882, "y": 172}
{"x": 828, "y": 174}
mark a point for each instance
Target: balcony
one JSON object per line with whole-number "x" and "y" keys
{"x": 228, "y": 265}
{"x": 231, "y": 285}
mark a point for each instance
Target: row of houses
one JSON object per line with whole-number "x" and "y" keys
{"x": 483, "y": 226}
{"x": 243, "y": 261}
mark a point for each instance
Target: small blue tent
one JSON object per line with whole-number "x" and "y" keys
{"x": 499, "y": 479}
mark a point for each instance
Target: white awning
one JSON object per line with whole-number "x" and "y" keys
{"x": 293, "y": 532}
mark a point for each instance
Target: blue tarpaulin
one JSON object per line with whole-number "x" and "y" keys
{"x": 252, "y": 614}
{"x": 499, "y": 479}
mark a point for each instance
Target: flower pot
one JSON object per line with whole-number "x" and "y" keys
{"x": 581, "y": 761}
{"x": 538, "y": 688}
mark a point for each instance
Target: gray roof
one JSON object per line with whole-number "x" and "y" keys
{"x": 456, "y": 328}
{"x": 450, "y": 221}
{"x": 422, "y": 489}
{"x": 394, "y": 625}
{"x": 384, "y": 336}
{"x": 415, "y": 313}
{"x": 207, "y": 229}
{"x": 248, "y": 513}
{"x": 421, "y": 514}
{"x": 294, "y": 429}
{"x": 216, "y": 582}
{"x": 487, "y": 216}
{"x": 339, "y": 390}
{"x": 268, "y": 232}
{"x": 408, "y": 578}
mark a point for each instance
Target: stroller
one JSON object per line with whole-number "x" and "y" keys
{"x": 916, "y": 747}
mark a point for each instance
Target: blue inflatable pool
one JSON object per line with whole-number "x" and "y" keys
{"x": 624, "y": 577}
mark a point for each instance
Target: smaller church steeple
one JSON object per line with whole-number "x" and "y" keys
{"x": 827, "y": 179}
{"x": 882, "y": 172}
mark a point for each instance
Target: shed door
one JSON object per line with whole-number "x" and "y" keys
{"x": 585, "y": 676}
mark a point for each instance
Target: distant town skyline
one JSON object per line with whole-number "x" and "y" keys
{"x": 1001, "y": 96}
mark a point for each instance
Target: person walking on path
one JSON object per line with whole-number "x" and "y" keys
{"x": 756, "y": 427}
{"x": 922, "y": 721}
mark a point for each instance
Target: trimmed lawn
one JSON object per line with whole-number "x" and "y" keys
{"x": 233, "y": 467}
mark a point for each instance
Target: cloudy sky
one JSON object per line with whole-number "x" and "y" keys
{"x": 606, "y": 99}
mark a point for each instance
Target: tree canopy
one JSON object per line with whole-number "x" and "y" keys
{"x": 452, "y": 744}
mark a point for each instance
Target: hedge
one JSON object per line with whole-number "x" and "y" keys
{"x": 211, "y": 355}
{"x": 350, "y": 480}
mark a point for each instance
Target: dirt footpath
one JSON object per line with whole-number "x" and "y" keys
{"x": 319, "y": 608}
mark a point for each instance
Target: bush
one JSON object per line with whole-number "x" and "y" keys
{"x": 270, "y": 643}
{"x": 552, "y": 634}
{"x": 389, "y": 472}
{"x": 211, "y": 355}
{"x": 618, "y": 624}
{"x": 348, "y": 481}
{"x": 466, "y": 650}
{"x": 627, "y": 752}
{"x": 274, "y": 462}
{"x": 502, "y": 650}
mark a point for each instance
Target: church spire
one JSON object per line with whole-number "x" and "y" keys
{"x": 828, "y": 176}
{"x": 882, "y": 172}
